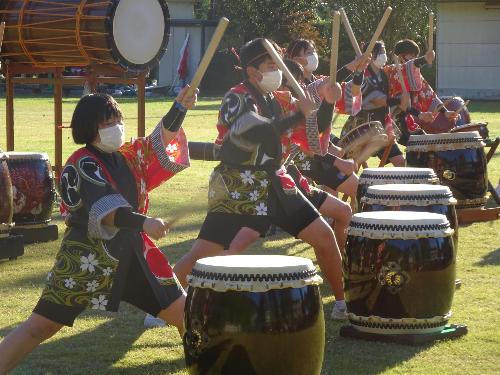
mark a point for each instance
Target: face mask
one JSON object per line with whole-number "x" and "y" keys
{"x": 312, "y": 62}
{"x": 271, "y": 81}
{"x": 112, "y": 138}
{"x": 380, "y": 61}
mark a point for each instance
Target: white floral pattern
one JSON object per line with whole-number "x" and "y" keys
{"x": 235, "y": 195}
{"x": 254, "y": 195}
{"x": 306, "y": 166}
{"x": 261, "y": 209}
{"x": 302, "y": 156}
{"x": 89, "y": 263}
{"x": 49, "y": 276}
{"x": 264, "y": 183}
{"x": 69, "y": 283}
{"x": 92, "y": 286}
{"x": 99, "y": 303}
{"x": 107, "y": 271}
{"x": 211, "y": 194}
{"x": 247, "y": 177}
{"x": 171, "y": 148}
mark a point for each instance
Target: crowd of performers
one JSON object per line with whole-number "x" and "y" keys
{"x": 268, "y": 142}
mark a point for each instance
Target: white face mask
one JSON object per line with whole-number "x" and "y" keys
{"x": 271, "y": 81}
{"x": 312, "y": 62}
{"x": 112, "y": 138}
{"x": 380, "y": 61}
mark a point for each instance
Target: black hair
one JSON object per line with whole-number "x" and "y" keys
{"x": 295, "y": 68}
{"x": 406, "y": 46}
{"x": 90, "y": 111}
{"x": 254, "y": 53}
{"x": 294, "y": 49}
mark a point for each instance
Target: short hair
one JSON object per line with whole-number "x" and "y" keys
{"x": 297, "y": 46}
{"x": 90, "y": 111}
{"x": 253, "y": 53}
{"x": 379, "y": 44}
{"x": 295, "y": 68}
{"x": 406, "y": 46}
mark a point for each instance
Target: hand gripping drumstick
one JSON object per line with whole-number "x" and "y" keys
{"x": 335, "y": 47}
{"x": 289, "y": 77}
{"x": 350, "y": 33}
{"x": 430, "y": 41}
{"x": 209, "y": 54}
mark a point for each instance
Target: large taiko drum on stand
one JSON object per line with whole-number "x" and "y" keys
{"x": 399, "y": 272}
{"x": 436, "y": 199}
{"x": 129, "y": 33}
{"x": 254, "y": 315}
{"x": 33, "y": 188}
{"x": 393, "y": 175}
{"x": 6, "y": 201}
{"x": 459, "y": 161}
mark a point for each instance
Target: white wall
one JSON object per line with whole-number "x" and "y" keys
{"x": 468, "y": 50}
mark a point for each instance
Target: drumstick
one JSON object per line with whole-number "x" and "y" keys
{"x": 378, "y": 31}
{"x": 462, "y": 107}
{"x": 335, "y": 47}
{"x": 289, "y": 77}
{"x": 2, "y": 28}
{"x": 350, "y": 33}
{"x": 430, "y": 42}
{"x": 400, "y": 75}
{"x": 209, "y": 54}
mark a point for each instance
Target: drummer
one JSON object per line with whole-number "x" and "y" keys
{"x": 251, "y": 187}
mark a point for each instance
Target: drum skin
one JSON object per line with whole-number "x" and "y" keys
{"x": 464, "y": 171}
{"x": 33, "y": 190}
{"x": 447, "y": 210}
{"x": 71, "y": 38}
{"x": 6, "y": 200}
{"x": 280, "y": 331}
{"x": 399, "y": 278}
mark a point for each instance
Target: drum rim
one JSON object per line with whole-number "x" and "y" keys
{"x": 409, "y": 194}
{"x": 26, "y": 155}
{"x": 377, "y": 324}
{"x": 119, "y": 58}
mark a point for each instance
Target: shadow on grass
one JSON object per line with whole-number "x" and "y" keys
{"x": 490, "y": 259}
{"x": 97, "y": 350}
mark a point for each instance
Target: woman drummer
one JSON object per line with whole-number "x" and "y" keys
{"x": 107, "y": 254}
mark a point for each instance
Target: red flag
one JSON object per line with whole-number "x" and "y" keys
{"x": 182, "y": 68}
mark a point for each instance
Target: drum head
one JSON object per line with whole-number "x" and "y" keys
{"x": 444, "y": 141}
{"x": 409, "y": 194}
{"x": 363, "y": 141}
{"x": 253, "y": 273}
{"x": 397, "y": 175}
{"x": 140, "y": 32}
{"x": 15, "y": 155}
{"x": 399, "y": 225}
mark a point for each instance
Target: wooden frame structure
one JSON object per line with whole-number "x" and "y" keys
{"x": 97, "y": 74}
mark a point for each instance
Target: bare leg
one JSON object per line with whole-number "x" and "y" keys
{"x": 341, "y": 212}
{"x": 320, "y": 236}
{"x": 200, "y": 249}
{"x": 349, "y": 187}
{"x": 242, "y": 241}
{"x": 22, "y": 340}
{"x": 398, "y": 161}
{"x": 174, "y": 314}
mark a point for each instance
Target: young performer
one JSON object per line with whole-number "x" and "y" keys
{"x": 376, "y": 101}
{"x": 251, "y": 187}
{"x": 107, "y": 254}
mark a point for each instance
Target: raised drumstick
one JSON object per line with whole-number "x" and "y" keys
{"x": 335, "y": 47}
{"x": 209, "y": 54}
{"x": 350, "y": 33}
{"x": 2, "y": 28}
{"x": 430, "y": 41}
{"x": 378, "y": 31}
{"x": 289, "y": 77}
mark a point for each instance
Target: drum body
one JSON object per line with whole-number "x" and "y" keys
{"x": 33, "y": 188}
{"x": 241, "y": 318}
{"x": 393, "y": 175}
{"x": 6, "y": 201}
{"x": 399, "y": 272}
{"x": 363, "y": 141}
{"x": 459, "y": 161}
{"x": 436, "y": 199}
{"x": 129, "y": 33}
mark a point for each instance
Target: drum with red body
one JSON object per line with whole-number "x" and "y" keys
{"x": 127, "y": 33}
{"x": 33, "y": 188}
{"x": 6, "y": 202}
{"x": 399, "y": 272}
{"x": 459, "y": 161}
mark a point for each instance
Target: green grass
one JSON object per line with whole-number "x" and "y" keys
{"x": 106, "y": 343}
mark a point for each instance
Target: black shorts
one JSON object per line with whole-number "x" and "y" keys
{"x": 137, "y": 292}
{"x": 395, "y": 151}
{"x": 325, "y": 173}
{"x": 317, "y": 197}
{"x": 222, "y": 228}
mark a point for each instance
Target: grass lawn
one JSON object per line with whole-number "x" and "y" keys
{"x": 106, "y": 343}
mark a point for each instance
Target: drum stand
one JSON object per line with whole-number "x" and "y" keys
{"x": 450, "y": 331}
{"x": 475, "y": 215}
{"x": 11, "y": 247}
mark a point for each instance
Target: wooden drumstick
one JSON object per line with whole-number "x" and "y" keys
{"x": 2, "y": 28}
{"x": 350, "y": 33}
{"x": 400, "y": 74}
{"x": 462, "y": 107}
{"x": 335, "y": 47}
{"x": 209, "y": 54}
{"x": 430, "y": 41}
{"x": 378, "y": 31}
{"x": 289, "y": 77}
